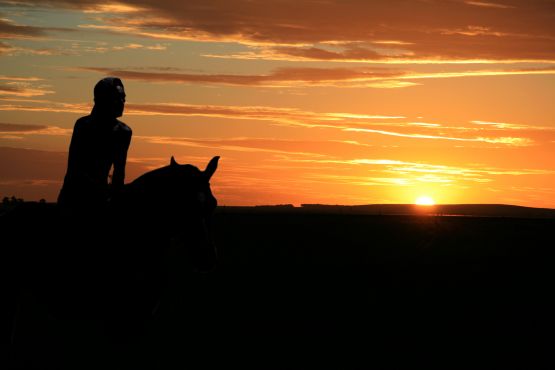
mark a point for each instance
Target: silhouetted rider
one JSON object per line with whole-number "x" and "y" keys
{"x": 99, "y": 142}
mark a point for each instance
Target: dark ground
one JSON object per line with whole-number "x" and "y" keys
{"x": 312, "y": 291}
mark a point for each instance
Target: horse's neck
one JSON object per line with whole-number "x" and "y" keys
{"x": 149, "y": 185}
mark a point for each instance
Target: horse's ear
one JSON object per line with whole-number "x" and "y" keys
{"x": 173, "y": 162}
{"x": 211, "y": 167}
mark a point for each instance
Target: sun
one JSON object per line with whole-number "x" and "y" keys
{"x": 425, "y": 200}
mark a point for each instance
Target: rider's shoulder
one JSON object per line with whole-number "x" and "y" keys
{"x": 121, "y": 126}
{"x": 83, "y": 122}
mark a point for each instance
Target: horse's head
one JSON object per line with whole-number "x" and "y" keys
{"x": 189, "y": 189}
{"x": 193, "y": 203}
{"x": 176, "y": 201}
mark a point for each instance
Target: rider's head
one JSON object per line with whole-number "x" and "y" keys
{"x": 109, "y": 96}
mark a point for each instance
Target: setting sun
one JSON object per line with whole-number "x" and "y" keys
{"x": 425, "y": 201}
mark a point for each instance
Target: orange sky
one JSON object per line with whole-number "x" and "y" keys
{"x": 321, "y": 101}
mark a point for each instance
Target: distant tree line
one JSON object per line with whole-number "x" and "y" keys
{"x": 11, "y": 201}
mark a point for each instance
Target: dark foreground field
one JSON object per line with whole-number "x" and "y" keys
{"x": 312, "y": 291}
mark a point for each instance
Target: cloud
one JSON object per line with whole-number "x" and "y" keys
{"x": 263, "y": 113}
{"x": 239, "y": 112}
{"x": 135, "y": 46}
{"x": 346, "y": 122}
{"x": 513, "y": 141}
{"x": 489, "y": 4}
{"x": 22, "y": 87}
{"x": 12, "y": 30}
{"x": 407, "y": 173}
{"x": 9, "y": 29}
{"x": 346, "y": 52}
{"x": 18, "y": 131}
{"x": 45, "y": 106}
{"x": 302, "y": 54}
{"x": 113, "y": 8}
{"x": 5, "y": 48}
{"x": 9, "y": 50}
{"x": 18, "y": 78}
{"x": 511, "y": 126}
{"x": 433, "y": 30}
{"x": 360, "y": 180}
{"x": 254, "y": 145}
{"x": 483, "y": 29}
{"x": 480, "y": 73}
{"x": 331, "y": 77}
{"x": 22, "y": 90}
{"x": 281, "y": 77}
{"x": 474, "y": 31}
{"x": 10, "y": 127}
{"x": 333, "y": 53}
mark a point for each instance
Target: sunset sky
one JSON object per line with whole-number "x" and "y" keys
{"x": 320, "y": 101}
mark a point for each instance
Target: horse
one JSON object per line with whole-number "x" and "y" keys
{"x": 174, "y": 202}
{"x": 110, "y": 264}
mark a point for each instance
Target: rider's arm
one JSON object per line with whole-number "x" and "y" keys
{"x": 120, "y": 160}
{"x": 74, "y": 161}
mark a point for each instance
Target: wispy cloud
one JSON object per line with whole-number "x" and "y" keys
{"x": 313, "y": 53}
{"x": 343, "y": 52}
{"x": 135, "y": 46}
{"x": 408, "y": 173}
{"x": 473, "y": 31}
{"x": 33, "y": 105}
{"x": 112, "y": 8}
{"x": 5, "y": 48}
{"x": 382, "y": 29}
{"x": 19, "y": 131}
{"x": 486, "y": 4}
{"x": 264, "y": 113}
{"x": 509, "y": 72}
{"x": 19, "y": 78}
{"x": 359, "y": 180}
{"x": 253, "y": 145}
{"x": 272, "y": 22}
{"x": 283, "y": 77}
{"x": 331, "y": 77}
{"x": 345, "y": 122}
{"x": 11, "y": 30}
{"x": 22, "y": 89}
{"x": 511, "y": 126}
{"x": 10, "y": 127}
{"x": 515, "y": 141}
{"x": 76, "y": 49}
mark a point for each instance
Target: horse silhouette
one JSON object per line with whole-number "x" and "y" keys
{"x": 172, "y": 202}
{"x": 111, "y": 265}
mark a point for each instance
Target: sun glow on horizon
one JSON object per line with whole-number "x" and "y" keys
{"x": 425, "y": 200}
